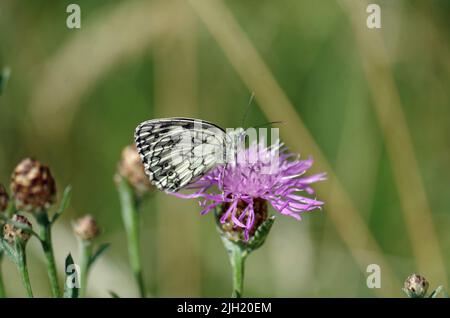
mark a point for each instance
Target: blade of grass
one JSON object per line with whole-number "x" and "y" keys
{"x": 360, "y": 166}
{"x": 388, "y": 108}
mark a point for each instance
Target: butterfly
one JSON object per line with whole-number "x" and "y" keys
{"x": 178, "y": 151}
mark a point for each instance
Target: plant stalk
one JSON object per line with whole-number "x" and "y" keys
{"x": 85, "y": 256}
{"x": 130, "y": 216}
{"x": 45, "y": 235}
{"x": 237, "y": 259}
{"x": 23, "y": 269}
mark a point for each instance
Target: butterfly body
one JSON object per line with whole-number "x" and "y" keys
{"x": 178, "y": 151}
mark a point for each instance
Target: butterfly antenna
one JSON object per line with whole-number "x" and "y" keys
{"x": 247, "y": 109}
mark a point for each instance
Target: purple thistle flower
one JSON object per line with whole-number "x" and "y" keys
{"x": 268, "y": 174}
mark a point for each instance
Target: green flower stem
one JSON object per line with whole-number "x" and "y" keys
{"x": 2, "y": 286}
{"x": 23, "y": 269}
{"x": 45, "y": 235}
{"x": 238, "y": 250}
{"x": 85, "y": 256}
{"x": 130, "y": 216}
{"x": 237, "y": 258}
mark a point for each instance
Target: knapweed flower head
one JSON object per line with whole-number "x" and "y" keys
{"x": 263, "y": 175}
{"x": 11, "y": 231}
{"x": 416, "y": 286}
{"x": 4, "y": 198}
{"x": 33, "y": 186}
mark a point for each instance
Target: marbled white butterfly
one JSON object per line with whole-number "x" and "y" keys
{"x": 178, "y": 151}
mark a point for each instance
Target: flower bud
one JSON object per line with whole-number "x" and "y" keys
{"x": 11, "y": 231}
{"x": 236, "y": 233}
{"x": 416, "y": 286}
{"x": 131, "y": 168}
{"x": 33, "y": 186}
{"x": 4, "y": 198}
{"x": 86, "y": 228}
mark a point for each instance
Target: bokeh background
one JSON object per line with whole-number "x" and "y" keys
{"x": 371, "y": 106}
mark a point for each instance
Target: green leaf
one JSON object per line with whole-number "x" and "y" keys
{"x": 11, "y": 209}
{"x": 260, "y": 235}
{"x": 71, "y": 284}
{"x": 102, "y": 248}
{"x": 113, "y": 294}
{"x": 19, "y": 247}
{"x": 64, "y": 203}
{"x": 4, "y": 77}
{"x": 9, "y": 251}
{"x": 437, "y": 291}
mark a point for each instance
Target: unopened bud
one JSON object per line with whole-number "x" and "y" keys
{"x": 416, "y": 286}
{"x": 86, "y": 228}
{"x": 130, "y": 168}
{"x": 11, "y": 231}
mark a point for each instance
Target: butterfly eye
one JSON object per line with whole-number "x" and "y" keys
{"x": 165, "y": 165}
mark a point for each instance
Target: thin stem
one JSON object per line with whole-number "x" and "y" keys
{"x": 23, "y": 269}
{"x": 85, "y": 256}
{"x": 130, "y": 218}
{"x": 237, "y": 259}
{"x": 2, "y": 286}
{"x": 45, "y": 235}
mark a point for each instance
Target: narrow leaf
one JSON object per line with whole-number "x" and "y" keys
{"x": 260, "y": 235}
{"x": 113, "y": 294}
{"x": 64, "y": 203}
{"x": 102, "y": 249}
{"x": 437, "y": 291}
{"x": 9, "y": 250}
{"x": 72, "y": 282}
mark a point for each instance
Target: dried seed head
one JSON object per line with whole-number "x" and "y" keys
{"x": 131, "y": 168}
{"x": 10, "y": 231}
{"x": 86, "y": 228}
{"x": 236, "y": 233}
{"x": 416, "y": 286}
{"x": 33, "y": 186}
{"x": 4, "y": 198}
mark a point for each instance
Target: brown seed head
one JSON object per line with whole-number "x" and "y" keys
{"x": 33, "y": 186}
{"x": 131, "y": 168}
{"x": 86, "y": 228}
{"x": 235, "y": 233}
{"x": 10, "y": 231}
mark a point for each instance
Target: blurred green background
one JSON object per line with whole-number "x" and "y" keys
{"x": 371, "y": 106}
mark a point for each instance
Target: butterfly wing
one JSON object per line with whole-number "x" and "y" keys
{"x": 178, "y": 151}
